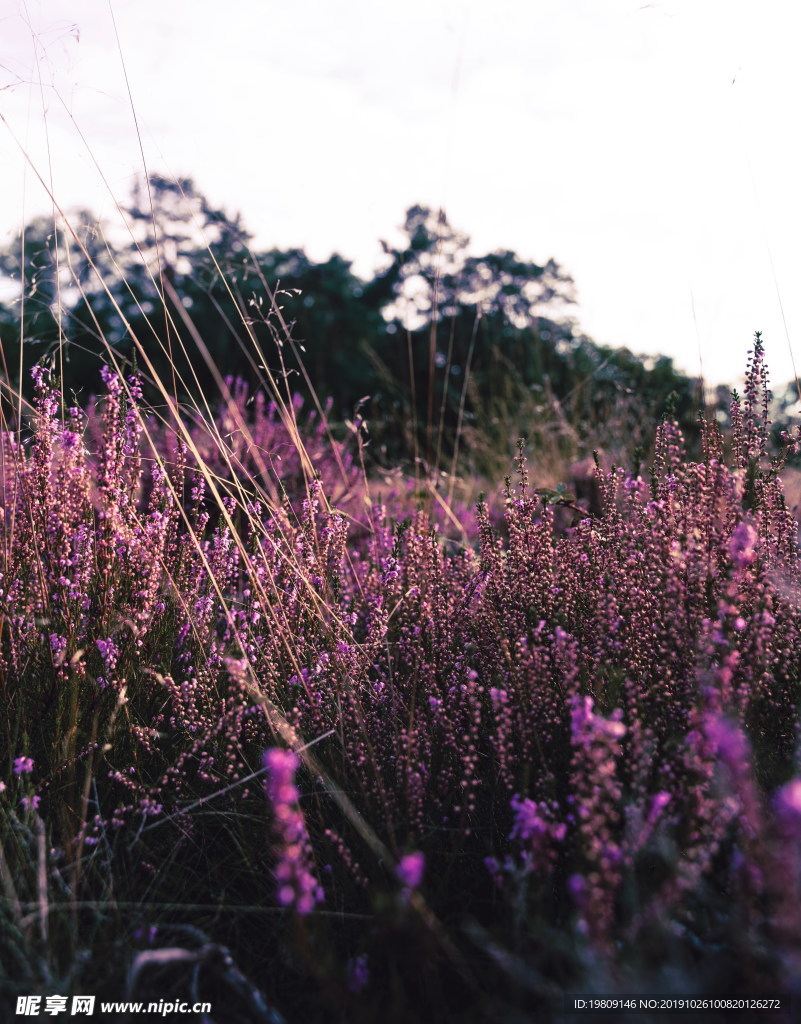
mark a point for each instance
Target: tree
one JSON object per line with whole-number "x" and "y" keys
{"x": 434, "y": 277}
{"x": 331, "y": 321}
{"x": 47, "y": 270}
{"x": 446, "y": 343}
{"x": 466, "y": 315}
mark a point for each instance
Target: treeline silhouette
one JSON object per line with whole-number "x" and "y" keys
{"x": 438, "y": 344}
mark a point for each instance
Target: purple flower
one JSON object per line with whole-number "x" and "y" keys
{"x": 410, "y": 869}
{"x": 789, "y": 797}
{"x": 787, "y": 805}
{"x": 108, "y": 650}
{"x": 742, "y": 544}
{"x": 30, "y": 803}
{"x": 536, "y": 830}
{"x": 23, "y": 765}
{"x": 728, "y": 739}
{"x": 359, "y": 973}
{"x": 581, "y": 715}
{"x": 296, "y": 885}
{"x": 658, "y": 804}
{"x": 528, "y": 822}
{"x": 281, "y": 767}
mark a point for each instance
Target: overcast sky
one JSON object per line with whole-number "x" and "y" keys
{"x": 651, "y": 148}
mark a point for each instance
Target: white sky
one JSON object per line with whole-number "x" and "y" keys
{"x": 651, "y": 148}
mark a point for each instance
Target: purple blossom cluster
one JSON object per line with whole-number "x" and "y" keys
{"x": 297, "y": 886}
{"x": 590, "y": 723}
{"x": 410, "y": 869}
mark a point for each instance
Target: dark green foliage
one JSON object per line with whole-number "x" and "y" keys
{"x": 438, "y": 343}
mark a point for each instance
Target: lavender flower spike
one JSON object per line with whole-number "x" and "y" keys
{"x": 410, "y": 869}
{"x": 297, "y": 886}
{"x": 23, "y": 765}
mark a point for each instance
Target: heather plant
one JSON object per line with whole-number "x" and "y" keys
{"x": 249, "y": 702}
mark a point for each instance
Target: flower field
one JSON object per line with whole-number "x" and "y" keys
{"x": 275, "y": 739}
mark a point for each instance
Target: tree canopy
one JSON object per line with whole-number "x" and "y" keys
{"x": 439, "y": 342}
